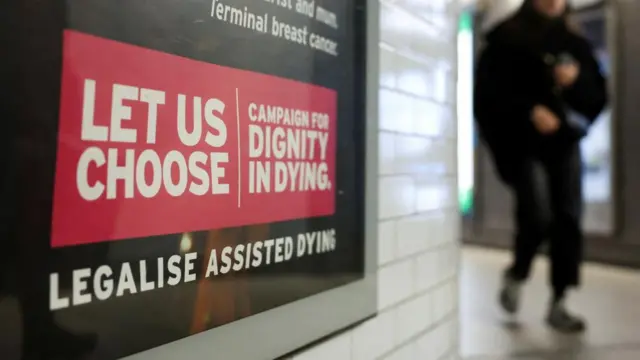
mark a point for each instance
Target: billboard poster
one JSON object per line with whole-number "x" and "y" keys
{"x": 172, "y": 167}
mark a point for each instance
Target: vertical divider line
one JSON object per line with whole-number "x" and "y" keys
{"x": 239, "y": 147}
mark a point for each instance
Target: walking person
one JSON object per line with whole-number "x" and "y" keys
{"x": 538, "y": 88}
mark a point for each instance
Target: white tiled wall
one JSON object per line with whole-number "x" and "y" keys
{"x": 418, "y": 218}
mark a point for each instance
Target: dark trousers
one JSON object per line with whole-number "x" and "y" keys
{"x": 549, "y": 210}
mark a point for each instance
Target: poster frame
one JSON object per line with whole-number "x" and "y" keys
{"x": 283, "y": 330}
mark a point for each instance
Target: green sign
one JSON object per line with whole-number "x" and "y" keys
{"x": 465, "y": 114}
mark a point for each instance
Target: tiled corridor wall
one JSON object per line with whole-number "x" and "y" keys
{"x": 418, "y": 218}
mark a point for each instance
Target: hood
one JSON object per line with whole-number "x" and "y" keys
{"x": 498, "y": 11}
{"x": 527, "y": 29}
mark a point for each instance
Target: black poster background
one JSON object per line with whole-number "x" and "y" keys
{"x": 31, "y": 43}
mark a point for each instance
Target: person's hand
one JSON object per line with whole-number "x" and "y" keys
{"x": 566, "y": 74}
{"x": 545, "y": 121}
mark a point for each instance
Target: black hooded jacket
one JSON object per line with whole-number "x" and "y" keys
{"x": 514, "y": 73}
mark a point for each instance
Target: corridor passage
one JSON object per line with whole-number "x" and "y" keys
{"x": 609, "y": 300}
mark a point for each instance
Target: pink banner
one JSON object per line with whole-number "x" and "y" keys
{"x": 152, "y": 143}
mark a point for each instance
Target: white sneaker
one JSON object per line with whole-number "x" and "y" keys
{"x": 561, "y": 320}
{"x": 510, "y": 294}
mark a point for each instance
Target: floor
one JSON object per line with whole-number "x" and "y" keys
{"x": 609, "y": 300}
